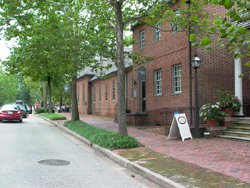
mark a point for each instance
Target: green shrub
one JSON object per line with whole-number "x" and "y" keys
{"x": 53, "y": 116}
{"x": 101, "y": 137}
{"x": 41, "y": 110}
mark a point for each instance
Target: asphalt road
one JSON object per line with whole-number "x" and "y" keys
{"x": 36, "y": 154}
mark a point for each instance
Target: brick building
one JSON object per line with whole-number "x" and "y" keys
{"x": 166, "y": 88}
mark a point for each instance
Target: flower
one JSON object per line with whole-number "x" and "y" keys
{"x": 212, "y": 112}
{"x": 228, "y": 100}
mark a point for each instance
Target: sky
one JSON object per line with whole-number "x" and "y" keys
{"x": 4, "y": 51}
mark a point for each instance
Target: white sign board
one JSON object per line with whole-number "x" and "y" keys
{"x": 180, "y": 127}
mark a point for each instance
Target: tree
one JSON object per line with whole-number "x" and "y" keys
{"x": 8, "y": 87}
{"x": 54, "y": 34}
{"x": 232, "y": 26}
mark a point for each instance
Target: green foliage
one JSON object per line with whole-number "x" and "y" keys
{"x": 212, "y": 112}
{"x": 53, "y": 116}
{"x": 229, "y": 26}
{"x": 228, "y": 100}
{"x": 101, "y": 137}
{"x": 8, "y": 87}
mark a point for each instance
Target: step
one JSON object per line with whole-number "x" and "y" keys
{"x": 234, "y": 137}
{"x": 245, "y": 119}
{"x": 239, "y": 129}
{"x": 233, "y": 133}
{"x": 245, "y": 124}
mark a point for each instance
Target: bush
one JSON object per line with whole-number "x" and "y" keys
{"x": 101, "y": 137}
{"x": 53, "y": 116}
{"x": 41, "y": 110}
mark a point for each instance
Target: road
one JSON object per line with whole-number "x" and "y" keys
{"x": 36, "y": 154}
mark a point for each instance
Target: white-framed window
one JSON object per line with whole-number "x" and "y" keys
{"x": 175, "y": 27}
{"x": 142, "y": 39}
{"x": 83, "y": 94}
{"x": 157, "y": 32}
{"x": 78, "y": 94}
{"x": 100, "y": 93}
{"x": 158, "y": 82}
{"x": 106, "y": 92}
{"x": 113, "y": 91}
{"x": 177, "y": 78}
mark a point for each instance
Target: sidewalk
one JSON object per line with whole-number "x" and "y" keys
{"x": 229, "y": 157}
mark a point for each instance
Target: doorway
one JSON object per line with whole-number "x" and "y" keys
{"x": 143, "y": 97}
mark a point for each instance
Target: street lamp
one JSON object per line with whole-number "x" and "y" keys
{"x": 195, "y": 62}
{"x": 188, "y": 2}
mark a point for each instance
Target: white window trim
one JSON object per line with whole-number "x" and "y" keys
{"x": 142, "y": 39}
{"x": 158, "y": 82}
{"x": 157, "y": 32}
{"x": 178, "y": 81}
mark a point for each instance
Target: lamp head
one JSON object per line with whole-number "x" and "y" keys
{"x": 195, "y": 61}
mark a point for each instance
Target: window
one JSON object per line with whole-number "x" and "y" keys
{"x": 158, "y": 85}
{"x": 106, "y": 92}
{"x": 175, "y": 27}
{"x": 78, "y": 94}
{"x": 100, "y": 93}
{"x": 113, "y": 90}
{"x": 177, "y": 79}
{"x": 157, "y": 32}
{"x": 93, "y": 94}
{"x": 142, "y": 39}
{"x": 83, "y": 94}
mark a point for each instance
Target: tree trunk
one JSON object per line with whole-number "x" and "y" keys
{"x": 49, "y": 92}
{"x": 74, "y": 112}
{"x": 44, "y": 97}
{"x": 122, "y": 123}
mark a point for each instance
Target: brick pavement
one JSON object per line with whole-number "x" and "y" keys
{"x": 230, "y": 157}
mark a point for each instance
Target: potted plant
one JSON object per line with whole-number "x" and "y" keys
{"x": 212, "y": 113}
{"x": 228, "y": 102}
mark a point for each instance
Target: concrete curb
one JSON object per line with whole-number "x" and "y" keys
{"x": 152, "y": 176}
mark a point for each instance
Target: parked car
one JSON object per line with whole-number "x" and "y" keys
{"x": 25, "y": 111}
{"x": 10, "y": 113}
{"x": 19, "y": 102}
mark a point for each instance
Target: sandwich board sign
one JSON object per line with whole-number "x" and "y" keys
{"x": 180, "y": 127}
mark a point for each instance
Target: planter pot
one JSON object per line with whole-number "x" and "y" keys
{"x": 230, "y": 111}
{"x": 212, "y": 123}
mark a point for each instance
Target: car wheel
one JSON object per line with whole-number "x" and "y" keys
{"x": 20, "y": 120}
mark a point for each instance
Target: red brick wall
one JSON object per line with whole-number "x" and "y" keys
{"x": 104, "y": 108}
{"x": 83, "y": 105}
{"x": 216, "y": 71}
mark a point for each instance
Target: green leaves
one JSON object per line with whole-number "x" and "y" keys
{"x": 192, "y": 37}
{"x": 205, "y": 41}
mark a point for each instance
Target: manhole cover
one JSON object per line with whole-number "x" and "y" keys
{"x": 54, "y": 162}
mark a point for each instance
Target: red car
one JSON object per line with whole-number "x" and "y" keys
{"x": 10, "y": 113}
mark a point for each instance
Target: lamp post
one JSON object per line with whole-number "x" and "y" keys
{"x": 195, "y": 62}
{"x": 188, "y": 2}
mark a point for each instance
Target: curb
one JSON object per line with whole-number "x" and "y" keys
{"x": 152, "y": 176}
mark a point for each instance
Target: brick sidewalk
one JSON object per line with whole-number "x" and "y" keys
{"x": 230, "y": 157}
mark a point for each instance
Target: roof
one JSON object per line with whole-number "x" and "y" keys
{"x": 95, "y": 74}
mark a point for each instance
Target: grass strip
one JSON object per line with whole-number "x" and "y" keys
{"x": 101, "y": 137}
{"x": 53, "y": 116}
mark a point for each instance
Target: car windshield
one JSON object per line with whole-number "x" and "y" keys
{"x": 9, "y": 107}
{"x": 22, "y": 107}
